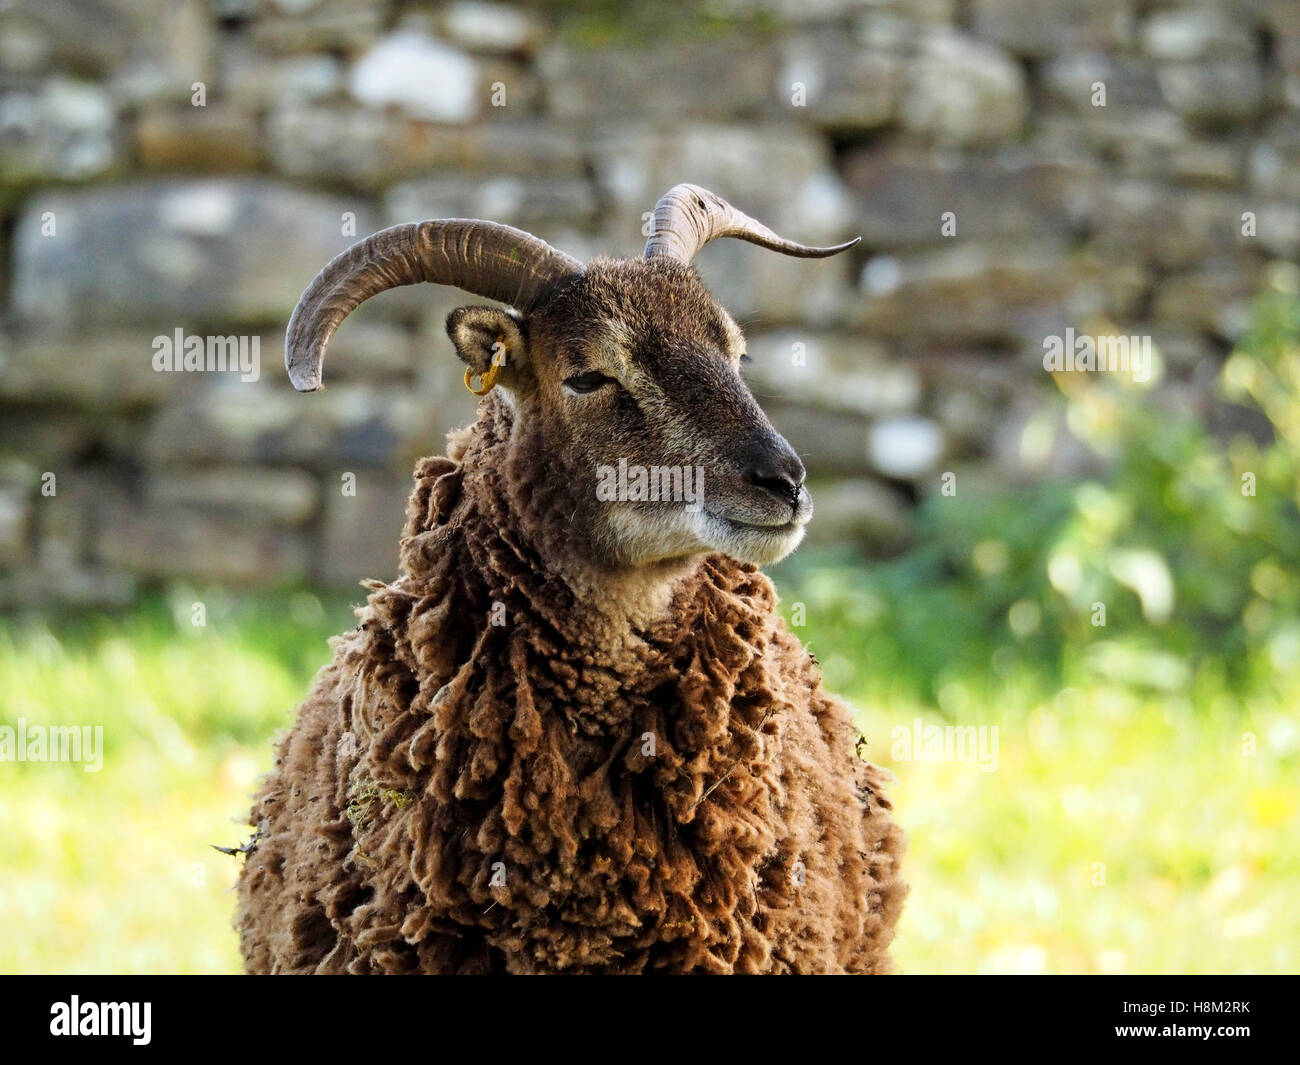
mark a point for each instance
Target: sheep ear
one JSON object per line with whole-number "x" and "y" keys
{"x": 484, "y": 335}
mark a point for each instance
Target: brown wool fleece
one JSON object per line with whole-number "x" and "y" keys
{"x": 554, "y": 793}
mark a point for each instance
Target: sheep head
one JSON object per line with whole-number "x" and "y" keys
{"x": 624, "y": 372}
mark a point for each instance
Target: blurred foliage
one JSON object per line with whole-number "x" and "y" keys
{"x": 1190, "y": 543}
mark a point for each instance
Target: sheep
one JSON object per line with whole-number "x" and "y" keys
{"x": 574, "y": 735}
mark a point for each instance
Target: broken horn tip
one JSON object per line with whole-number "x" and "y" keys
{"x": 305, "y": 382}
{"x": 304, "y": 376}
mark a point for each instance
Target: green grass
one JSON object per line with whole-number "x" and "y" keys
{"x": 114, "y": 871}
{"x": 1121, "y": 832}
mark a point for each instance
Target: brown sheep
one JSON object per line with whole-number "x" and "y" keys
{"x": 574, "y": 735}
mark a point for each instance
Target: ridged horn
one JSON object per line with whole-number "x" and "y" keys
{"x": 687, "y": 217}
{"x": 485, "y": 258}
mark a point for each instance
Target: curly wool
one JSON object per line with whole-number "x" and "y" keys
{"x": 484, "y": 780}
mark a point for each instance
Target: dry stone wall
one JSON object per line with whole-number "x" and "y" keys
{"x": 177, "y": 168}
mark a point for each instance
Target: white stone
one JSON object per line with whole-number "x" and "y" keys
{"x": 832, "y": 372}
{"x": 308, "y": 77}
{"x": 23, "y": 49}
{"x": 79, "y": 107}
{"x": 65, "y": 131}
{"x": 962, "y": 92}
{"x": 821, "y": 209}
{"x": 424, "y": 77}
{"x": 882, "y": 275}
{"x": 206, "y": 210}
{"x": 1195, "y": 34}
{"x": 486, "y": 27}
{"x": 905, "y": 447}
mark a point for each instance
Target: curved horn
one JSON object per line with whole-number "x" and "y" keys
{"x": 687, "y": 217}
{"x": 488, "y": 259}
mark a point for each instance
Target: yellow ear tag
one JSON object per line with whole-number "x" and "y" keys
{"x": 490, "y": 378}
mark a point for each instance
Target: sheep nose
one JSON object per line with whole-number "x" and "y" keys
{"x": 779, "y": 471}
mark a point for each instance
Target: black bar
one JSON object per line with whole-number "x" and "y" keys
{"x": 1043, "y": 1015}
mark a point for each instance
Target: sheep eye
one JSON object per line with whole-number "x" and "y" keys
{"x": 745, "y": 359}
{"x": 587, "y": 382}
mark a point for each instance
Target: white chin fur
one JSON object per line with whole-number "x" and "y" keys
{"x": 750, "y": 544}
{"x": 640, "y": 536}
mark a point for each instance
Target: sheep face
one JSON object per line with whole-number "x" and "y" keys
{"x": 624, "y": 372}
{"x": 630, "y": 378}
